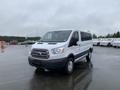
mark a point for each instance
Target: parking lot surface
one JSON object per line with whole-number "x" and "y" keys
{"x": 16, "y": 74}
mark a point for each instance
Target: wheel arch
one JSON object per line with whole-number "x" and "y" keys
{"x": 71, "y": 56}
{"x": 91, "y": 49}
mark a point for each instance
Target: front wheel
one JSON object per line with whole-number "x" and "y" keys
{"x": 109, "y": 44}
{"x": 69, "y": 66}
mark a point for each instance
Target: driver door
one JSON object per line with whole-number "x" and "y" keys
{"x": 73, "y": 46}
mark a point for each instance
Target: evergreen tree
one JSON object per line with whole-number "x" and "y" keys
{"x": 94, "y": 36}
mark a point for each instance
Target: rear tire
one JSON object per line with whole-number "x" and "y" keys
{"x": 88, "y": 57}
{"x": 69, "y": 66}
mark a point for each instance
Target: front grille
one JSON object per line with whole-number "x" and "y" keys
{"x": 40, "y": 53}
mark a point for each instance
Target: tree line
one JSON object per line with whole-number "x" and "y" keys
{"x": 114, "y": 35}
{"x": 19, "y": 39}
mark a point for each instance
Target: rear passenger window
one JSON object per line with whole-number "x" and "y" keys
{"x": 85, "y": 36}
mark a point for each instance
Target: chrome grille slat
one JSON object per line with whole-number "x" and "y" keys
{"x": 40, "y": 53}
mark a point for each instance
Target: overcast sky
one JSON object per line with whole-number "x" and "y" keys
{"x": 35, "y": 17}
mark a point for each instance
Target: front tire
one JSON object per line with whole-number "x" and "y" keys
{"x": 109, "y": 44}
{"x": 115, "y": 46}
{"x": 98, "y": 44}
{"x": 69, "y": 66}
{"x": 39, "y": 70}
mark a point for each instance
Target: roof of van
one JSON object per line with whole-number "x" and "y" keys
{"x": 71, "y": 30}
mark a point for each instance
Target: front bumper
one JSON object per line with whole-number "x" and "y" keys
{"x": 48, "y": 64}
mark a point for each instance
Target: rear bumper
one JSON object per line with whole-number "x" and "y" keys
{"x": 48, "y": 64}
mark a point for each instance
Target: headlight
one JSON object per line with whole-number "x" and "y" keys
{"x": 58, "y": 50}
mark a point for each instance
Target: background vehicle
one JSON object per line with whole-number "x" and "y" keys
{"x": 116, "y": 42}
{"x": 13, "y": 42}
{"x": 106, "y": 42}
{"x": 96, "y": 42}
{"x": 28, "y": 42}
{"x": 61, "y": 49}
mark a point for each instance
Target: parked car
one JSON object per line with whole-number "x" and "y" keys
{"x": 106, "y": 42}
{"x": 116, "y": 43}
{"x": 61, "y": 49}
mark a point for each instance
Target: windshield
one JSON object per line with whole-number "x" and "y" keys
{"x": 56, "y": 36}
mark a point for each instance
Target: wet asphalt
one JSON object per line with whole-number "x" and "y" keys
{"x": 17, "y": 74}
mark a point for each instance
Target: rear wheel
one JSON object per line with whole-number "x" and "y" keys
{"x": 88, "y": 57}
{"x": 69, "y": 66}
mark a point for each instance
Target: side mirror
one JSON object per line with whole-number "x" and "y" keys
{"x": 74, "y": 42}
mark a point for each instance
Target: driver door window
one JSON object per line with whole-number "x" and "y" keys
{"x": 74, "y": 39}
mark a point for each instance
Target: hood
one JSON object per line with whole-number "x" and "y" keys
{"x": 44, "y": 45}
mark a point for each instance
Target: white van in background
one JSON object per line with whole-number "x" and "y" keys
{"x": 106, "y": 42}
{"x": 116, "y": 42}
{"x": 96, "y": 42}
{"x": 61, "y": 49}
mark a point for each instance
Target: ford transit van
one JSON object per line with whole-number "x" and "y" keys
{"x": 61, "y": 50}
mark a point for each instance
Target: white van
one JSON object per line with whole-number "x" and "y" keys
{"x": 61, "y": 49}
{"x": 106, "y": 42}
{"x": 116, "y": 42}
